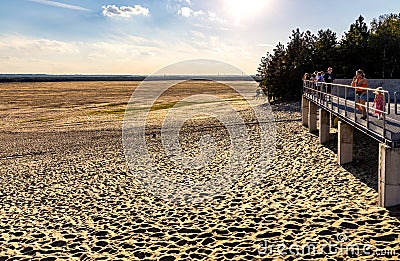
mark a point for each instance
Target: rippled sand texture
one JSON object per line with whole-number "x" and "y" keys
{"x": 66, "y": 192}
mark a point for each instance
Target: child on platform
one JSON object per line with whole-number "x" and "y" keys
{"x": 378, "y": 102}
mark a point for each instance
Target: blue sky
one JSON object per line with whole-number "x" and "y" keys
{"x": 142, "y": 36}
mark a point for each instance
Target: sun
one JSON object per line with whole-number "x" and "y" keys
{"x": 243, "y": 8}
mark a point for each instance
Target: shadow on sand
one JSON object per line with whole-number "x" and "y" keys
{"x": 365, "y": 154}
{"x": 365, "y": 161}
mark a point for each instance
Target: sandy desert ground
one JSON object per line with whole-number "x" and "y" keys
{"x": 67, "y": 193}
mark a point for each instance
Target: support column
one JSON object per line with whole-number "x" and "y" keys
{"x": 304, "y": 111}
{"x": 312, "y": 116}
{"x": 389, "y": 176}
{"x": 345, "y": 143}
{"x": 324, "y": 122}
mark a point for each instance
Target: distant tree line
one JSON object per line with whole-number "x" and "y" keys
{"x": 374, "y": 49}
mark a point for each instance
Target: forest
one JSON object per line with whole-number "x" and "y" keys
{"x": 374, "y": 48}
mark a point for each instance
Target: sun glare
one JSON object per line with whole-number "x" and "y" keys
{"x": 243, "y": 8}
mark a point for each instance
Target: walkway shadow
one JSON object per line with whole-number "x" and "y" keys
{"x": 365, "y": 161}
{"x": 365, "y": 154}
{"x": 365, "y": 158}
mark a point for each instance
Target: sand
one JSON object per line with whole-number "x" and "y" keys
{"x": 66, "y": 191}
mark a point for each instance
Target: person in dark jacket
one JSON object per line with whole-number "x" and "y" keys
{"x": 329, "y": 77}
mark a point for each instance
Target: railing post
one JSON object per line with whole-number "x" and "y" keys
{"x": 355, "y": 105}
{"x": 389, "y": 176}
{"x": 345, "y": 102}
{"x": 345, "y": 143}
{"x": 384, "y": 116}
{"x": 337, "y": 95}
{"x": 367, "y": 109}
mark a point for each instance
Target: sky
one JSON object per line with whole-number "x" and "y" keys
{"x": 142, "y": 36}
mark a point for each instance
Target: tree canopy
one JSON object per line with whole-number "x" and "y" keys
{"x": 372, "y": 48}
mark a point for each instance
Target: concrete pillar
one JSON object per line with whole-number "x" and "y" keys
{"x": 312, "y": 116}
{"x": 389, "y": 176}
{"x": 345, "y": 143}
{"x": 304, "y": 111}
{"x": 324, "y": 122}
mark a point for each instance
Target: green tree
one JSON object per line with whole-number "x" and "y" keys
{"x": 277, "y": 73}
{"x": 281, "y": 72}
{"x": 325, "y": 50}
{"x": 353, "y": 49}
{"x": 385, "y": 45}
{"x": 309, "y": 45}
{"x": 299, "y": 54}
{"x": 262, "y": 73}
{"x": 374, "y": 50}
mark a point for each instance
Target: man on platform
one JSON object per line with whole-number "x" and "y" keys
{"x": 329, "y": 78}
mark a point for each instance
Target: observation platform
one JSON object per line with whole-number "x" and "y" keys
{"x": 340, "y": 103}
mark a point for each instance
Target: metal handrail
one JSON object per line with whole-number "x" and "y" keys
{"x": 317, "y": 91}
{"x": 395, "y": 103}
{"x": 386, "y": 93}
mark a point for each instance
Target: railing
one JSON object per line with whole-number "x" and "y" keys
{"x": 334, "y": 96}
{"x": 395, "y": 103}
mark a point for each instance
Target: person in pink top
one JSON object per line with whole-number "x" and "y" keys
{"x": 378, "y": 102}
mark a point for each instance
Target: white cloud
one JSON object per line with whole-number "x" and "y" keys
{"x": 197, "y": 13}
{"x": 124, "y": 11}
{"x": 209, "y": 16}
{"x": 216, "y": 46}
{"x": 121, "y": 47}
{"x": 54, "y": 46}
{"x": 116, "y": 47}
{"x": 213, "y": 17}
{"x": 58, "y": 4}
{"x": 187, "y": 12}
{"x": 31, "y": 46}
{"x": 175, "y": 4}
{"x": 117, "y": 54}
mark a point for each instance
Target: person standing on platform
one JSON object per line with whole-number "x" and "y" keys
{"x": 329, "y": 78}
{"x": 361, "y": 84}
{"x": 319, "y": 79}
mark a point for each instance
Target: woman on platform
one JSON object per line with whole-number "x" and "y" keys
{"x": 361, "y": 84}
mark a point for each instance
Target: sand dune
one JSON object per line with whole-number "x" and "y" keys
{"x": 67, "y": 192}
